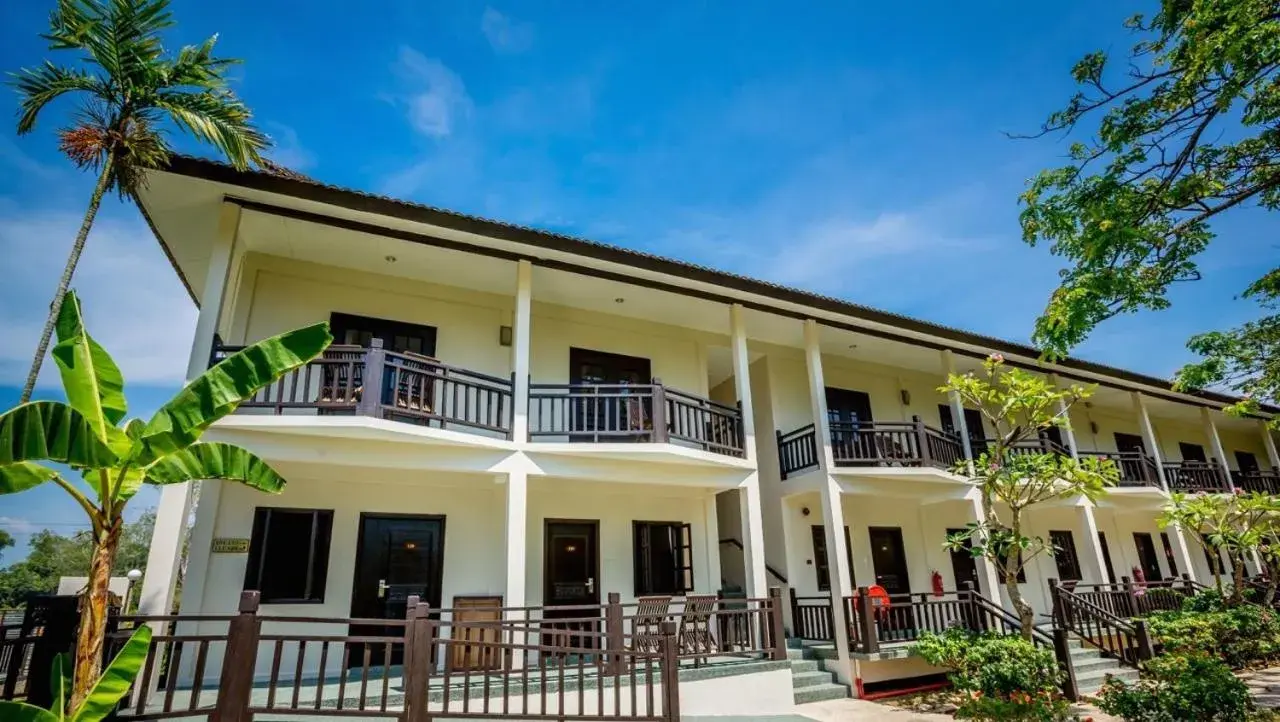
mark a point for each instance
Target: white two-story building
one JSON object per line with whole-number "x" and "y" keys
{"x": 535, "y": 420}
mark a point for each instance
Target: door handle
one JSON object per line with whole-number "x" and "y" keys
{"x": 382, "y": 588}
{"x": 591, "y": 585}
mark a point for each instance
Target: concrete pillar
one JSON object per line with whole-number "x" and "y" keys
{"x": 1149, "y": 437}
{"x": 520, "y": 343}
{"x": 1093, "y": 563}
{"x": 711, "y": 520}
{"x": 1215, "y": 445}
{"x": 1068, "y": 433}
{"x": 753, "y": 561}
{"x": 829, "y": 490}
{"x": 988, "y": 578}
{"x": 516, "y": 546}
{"x": 957, "y": 407}
{"x": 164, "y": 559}
{"x": 1182, "y": 551}
{"x": 1269, "y": 442}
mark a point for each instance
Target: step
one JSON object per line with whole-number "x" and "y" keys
{"x": 797, "y": 653}
{"x": 799, "y": 666}
{"x": 821, "y": 693}
{"x": 810, "y": 679}
{"x": 1090, "y": 682}
{"x": 1094, "y": 665}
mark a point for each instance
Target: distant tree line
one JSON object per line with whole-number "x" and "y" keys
{"x": 53, "y": 555}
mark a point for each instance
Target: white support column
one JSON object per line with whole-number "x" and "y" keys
{"x": 957, "y": 406}
{"x": 516, "y": 547}
{"x": 1269, "y": 443}
{"x": 164, "y": 559}
{"x": 988, "y": 579}
{"x": 1149, "y": 437}
{"x": 753, "y": 563}
{"x": 1068, "y": 432}
{"x": 520, "y": 340}
{"x": 1215, "y": 445}
{"x": 1094, "y": 563}
{"x": 1182, "y": 551}
{"x": 832, "y": 502}
{"x": 711, "y": 519}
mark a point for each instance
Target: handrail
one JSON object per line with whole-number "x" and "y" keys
{"x": 1136, "y": 468}
{"x": 797, "y": 450}
{"x": 1195, "y": 476}
{"x": 776, "y": 574}
{"x": 894, "y": 443}
{"x": 1129, "y": 642}
{"x": 1266, "y": 481}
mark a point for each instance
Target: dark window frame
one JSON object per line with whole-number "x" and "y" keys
{"x": 642, "y": 561}
{"x": 317, "y": 561}
{"x": 821, "y": 561}
{"x": 1065, "y": 557}
{"x": 390, "y": 330}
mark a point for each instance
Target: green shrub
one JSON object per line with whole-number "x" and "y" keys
{"x": 1176, "y": 688}
{"x": 1004, "y": 678}
{"x": 1240, "y": 636}
{"x": 1208, "y": 600}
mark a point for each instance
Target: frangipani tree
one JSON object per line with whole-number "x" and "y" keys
{"x": 115, "y": 457}
{"x": 1012, "y": 478}
{"x": 1240, "y": 524}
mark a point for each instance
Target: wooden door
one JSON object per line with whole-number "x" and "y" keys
{"x": 973, "y": 426}
{"x": 1192, "y": 452}
{"x": 609, "y": 413}
{"x": 397, "y": 557}
{"x": 1131, "y": 468}
{"x": 1147, "y": 559}
{"x": 1106, "y": 558}
{"x": 571, "y": 576}
{"x": 889, "y": 559}
{"x": 468, "y": 610}
{"x": 963, "y": 566}
{"x": 846, "y": 409}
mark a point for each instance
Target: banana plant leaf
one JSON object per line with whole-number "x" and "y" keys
{"x": 218, "y": 391}
{"x": 52, "y": 431}
{"x": 91, "y": 379}
{"x": 60, "y": 684}
{"x": 22, "y": 476}
{"x": 116, "y": 679}
{"x": 214, "y": 460}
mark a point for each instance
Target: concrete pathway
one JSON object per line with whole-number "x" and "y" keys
{"x": 856, "y": 710}
{"x": 1264, "y": 685}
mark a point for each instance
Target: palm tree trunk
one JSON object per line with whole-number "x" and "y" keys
{"x": 93, "y": 612}
{"x": 64, "y": 283}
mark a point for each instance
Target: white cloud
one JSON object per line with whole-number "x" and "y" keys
{"x": 434, "y": 96}
{"x": 287, "y": 150}
{"x": 134, "y": 304}
{"x": 17, "y": 525}
{"x": 504, "y": 34}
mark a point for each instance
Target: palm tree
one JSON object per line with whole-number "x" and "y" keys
{"x": 128, "y": 89}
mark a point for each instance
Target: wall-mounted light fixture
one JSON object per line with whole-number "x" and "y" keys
{"x": 804, "y": 511}
{"x": 1093, "y": 427}
{"x": 906, "y": 396}
{"x": 504, "y": 335}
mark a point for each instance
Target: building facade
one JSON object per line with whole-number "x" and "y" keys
{"x": 540, "y": 421}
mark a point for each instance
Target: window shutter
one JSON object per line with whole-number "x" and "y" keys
{"x": 642, "y": 571}
{"x": 820, "y": 557}
{"x": 684, "y": 558}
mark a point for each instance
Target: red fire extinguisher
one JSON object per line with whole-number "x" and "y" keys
{"x": 936, "y": 581}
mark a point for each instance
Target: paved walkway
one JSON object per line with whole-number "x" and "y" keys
{"x": 856, "y": 710}
{"x": 1264, "y": 685}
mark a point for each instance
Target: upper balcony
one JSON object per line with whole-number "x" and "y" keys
{"x": 872, "y": 444}
{"x": 421, "y": 390}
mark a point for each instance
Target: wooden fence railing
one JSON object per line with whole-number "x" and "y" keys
{"x": 1136, "y": 468}
{"x": 1128, "y": 641}
{"x": 1203, "y": 476}
{"x": 611, "y": 661}
{"x": 1266, "y": 481}
{"x": 894, "y": 443}
{"x": 797, "y": 450}
{"x": 1127, "y": 598}
{"x": 601, "y": 413}
{"x": 811, "y": 618}
{"x": 385, "y": 384}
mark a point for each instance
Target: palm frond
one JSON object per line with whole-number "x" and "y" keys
{"x": 196, "y": 67}
{"x": 71, "y": 22}
{"x": 220, "y": 118}
{"x": 40, "y": 86}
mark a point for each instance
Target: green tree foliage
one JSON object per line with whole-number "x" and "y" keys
{"x": 6, "y": 541}
{"x": 1184, "y": 129}
{"x": 115, "y": 457}
{"x": 1005, "y": 678}
{"x": 129, "y": 91}
{"x": 53, "y": 555}
{"x": 1012, "y": 477}
{"x": 1175, "y": 688}
{"x": 1239, "y": 524}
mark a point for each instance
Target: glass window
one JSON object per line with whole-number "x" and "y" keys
{"x": 663, "y": 558}
{"x": 289, "y": 554}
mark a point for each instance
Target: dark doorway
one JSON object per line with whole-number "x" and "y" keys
{"x": 1169, "y": 557}
{"x": 1192, "y": 452}
{"x": 846, "y": 411}
{"x": 972, "y": 424}
{"x": 1106, "y": 558}
{"x": 571, "y": 570}
{"x": 1147, "y": 559}
{"x": 397, "y": 556}
{"x": 1246, "y": 462}
{"x": 354, "y": 330}
{"x": 822, "y": 562}
{"x": 889, "y": 559}
{"x": 1064, "y": 555}
{"x": 1131, "y": 467}
{"x": 626, "y": 418}
{"x": 963, "y": 567}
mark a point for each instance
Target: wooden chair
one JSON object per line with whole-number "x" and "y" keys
{"x": 646, "y": 626}
{"x": 695, "y": 625}
{"x": 341, "y": 383}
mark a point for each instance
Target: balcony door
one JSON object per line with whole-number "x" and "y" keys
{"x": 608, "y": 415}
{"x": 972, "y": 424}
{"x": 845, "y": 410}
{"x": 352, "y": 330}
{"x": 1192, "y": 452}
{"x": 1131, "y": 468}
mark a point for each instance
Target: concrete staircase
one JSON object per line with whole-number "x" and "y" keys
{"x": 1092, "y": 669}
{"x": 809, "y": 680}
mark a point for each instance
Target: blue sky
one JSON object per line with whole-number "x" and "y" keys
{"x": 856, "y": 149}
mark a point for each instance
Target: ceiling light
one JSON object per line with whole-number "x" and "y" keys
{"x": 619, "y": 299}
{"x": 389, "y": 259}
{"x": 852, "y": 346}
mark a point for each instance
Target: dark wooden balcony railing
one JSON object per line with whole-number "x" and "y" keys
{"x": 1040, "y": 445}
{"x": 1136, "y": 469}
{"x": 797, "y": 450}
{"x": 412, "y": 389}
{"x": 1195, "y": 476}
{"x": 599, "y": 413}
{"x": 1264, "y": 481}
{"x": 894, "y": 443}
